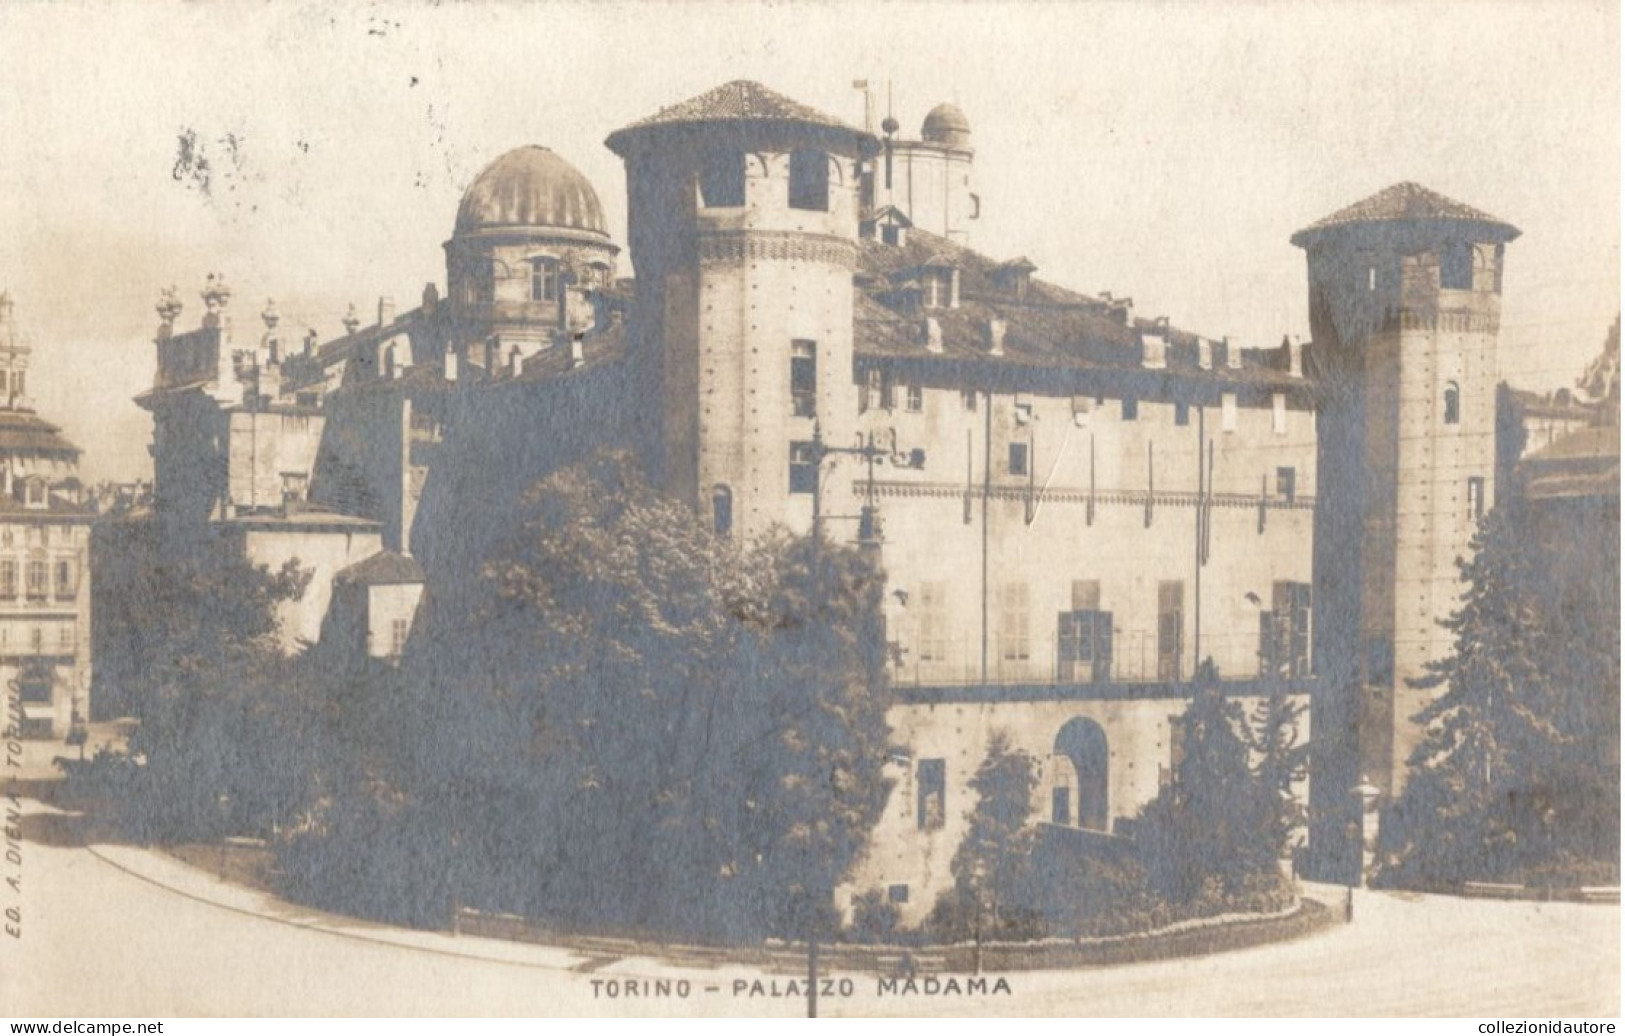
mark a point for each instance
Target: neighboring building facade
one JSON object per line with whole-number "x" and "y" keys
{"x": 1074, "y": 505}
{"x": 45, "y": 520}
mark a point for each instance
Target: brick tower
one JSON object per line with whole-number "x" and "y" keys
{"x": 743, "y": 222}
{"x": 1404, "y": 304}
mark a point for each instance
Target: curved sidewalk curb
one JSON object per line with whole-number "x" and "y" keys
{"x": 517, "y": 954}
{"x": 190, "y": 882}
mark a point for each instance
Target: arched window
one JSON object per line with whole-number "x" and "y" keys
{"x": 485, "y": 280}
{"x": 722, "y": 179}
{"x": 1452, "y": 403}
{"x": 722, "y": 510}
{"x": 1456, "y": 267}
{"x": 1082, "y": 743}
{"x": 809, "y": 180}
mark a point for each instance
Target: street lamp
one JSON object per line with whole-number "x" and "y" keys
{"x": 1367, "y": 793}
{"x": 869, "y": 535}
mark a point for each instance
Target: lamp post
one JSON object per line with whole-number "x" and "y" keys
{"x": 869, "y": 535}
{"x": 1367, "y": 794}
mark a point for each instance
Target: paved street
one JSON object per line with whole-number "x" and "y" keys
{"x": 100, "y": 937}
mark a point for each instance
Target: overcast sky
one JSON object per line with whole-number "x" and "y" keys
{"x": 1163, "y": 151}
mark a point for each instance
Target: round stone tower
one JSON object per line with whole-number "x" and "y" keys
{"x": 743, "y": 222}
{"x": 1405, "y": 305}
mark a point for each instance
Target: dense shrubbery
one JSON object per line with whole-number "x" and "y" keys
{"x": 230, "y": 729}
{"x": 1210, "y": 843}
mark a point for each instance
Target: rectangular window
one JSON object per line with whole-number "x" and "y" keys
{"x": 1284, "y": 632}
{"x": 34, "y": 682}
{"x": 1170, "y": 629}
{"x": 1456, "y": 267}
{"x": 932, "y": 632}
{"x": 398, "y": 630}
{"x": 8, "y": 580}
{"x": 64, "y": 640}
{"x": 37, "y": 574}
{"x": 1060, "y": 808}
{"x": 891, "y": 234}
{"x": 66, "y": 586}
{"x": 1182, "y": 414}
{"x": 803, "y": 468}
{"x": 1083, "y": 652}
{"x": 1015, "y": 642}
{"x": 931, "y": 783}
{"x": 1018, "y": 458}
{"x": 1131, "y": 408}
{"x": 916, "y": 399}
{"x": 1176, "y": 748}
{"x": 969, "y": 396}
{"x": 803, "y": 377}
{"x": 897, "y": 893}
{"x": 1227, "y": 412}
{"x": 1278, "y": 413}
{"x": 1475, "y": 497}
{"x": 295, "y": 487}
{"x": 1286, "y": 484}
{"x": 809, "y": 180}
{"x": 722, "y": 179}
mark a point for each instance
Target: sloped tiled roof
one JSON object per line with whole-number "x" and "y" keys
{"x": 25, "y": 432}
{"x": 1402, "y": 202}
{"x": 1584, "y": 463}
{"x": 1049, "y": 328}
{"x": 739, "y": 101}
{"x": 385, "y": 568}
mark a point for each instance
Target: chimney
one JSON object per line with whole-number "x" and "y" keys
{"x": 1232, "y": 354}
{"x": 310, "y": 343}
{"x": 578, "y": 356}
{"x": 450, "y": 366}
{"x": 169, "y": 308}
{"x": 1128, "y": 312}
{"x": 386, "y": 311}
{"x": 1204, "y": 354}
{"x": 516, "y": 363}
{"x": 216, "y": 295}
{"x": 933, "y": 335}
{"x": 431, "y": 296}
{"x": 995, "y": 337}
{"x": 1294, "y": 356}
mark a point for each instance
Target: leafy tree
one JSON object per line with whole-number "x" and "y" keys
{"x": 622, "y": 704}
{"x": 229, "y": 727}
{"x": 992, "y": 894}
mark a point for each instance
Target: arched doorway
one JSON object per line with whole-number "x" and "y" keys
{"x": 1082, "y": 744}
